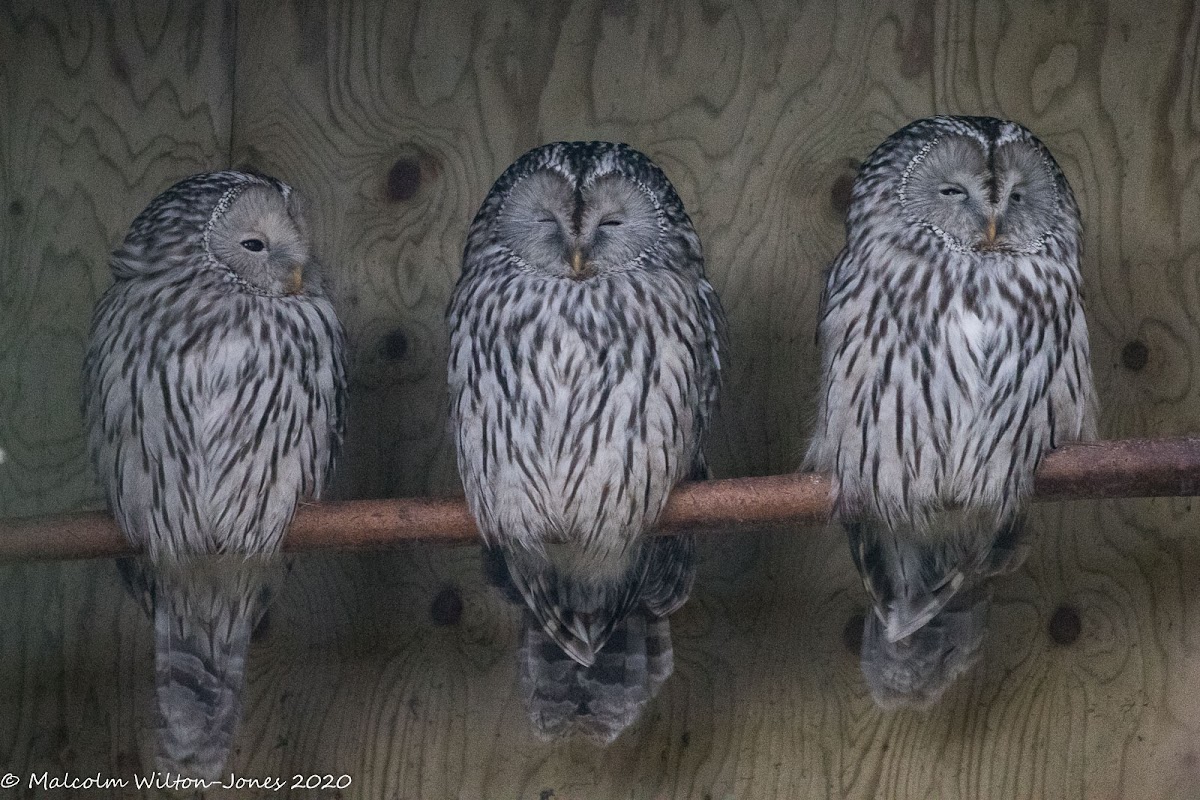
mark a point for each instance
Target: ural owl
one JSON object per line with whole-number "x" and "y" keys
{"x": 954, "y": 355}
{"x": 214, "y": 389}
{"x": 584, "y": 367}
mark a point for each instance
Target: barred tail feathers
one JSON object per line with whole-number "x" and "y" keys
{"x": 600, "y": 700}
{"x": 915, "y": 670}
{"x": 203, "y": 621}
{"x": 592, "y": 655}
{"x": 930, "y": 597}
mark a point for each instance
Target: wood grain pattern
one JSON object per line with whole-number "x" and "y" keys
{"x": 395, "y": 117}
{"x": 104, "y": 106}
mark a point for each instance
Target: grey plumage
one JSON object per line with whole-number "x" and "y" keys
{"x": 214, "y": 391}
{"x": 953, "y": 358}
{"x": 584, "y": 368}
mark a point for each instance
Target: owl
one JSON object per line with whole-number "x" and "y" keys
{"x": 584, "y": 369}
{"x": 954, "y": 355}
{"x": 214, "y": 391}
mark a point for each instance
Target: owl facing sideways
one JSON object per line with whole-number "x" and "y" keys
{"x": 954, "y": 355}
{"x": 214, "y": 389}
{"x": 584, "y": 368}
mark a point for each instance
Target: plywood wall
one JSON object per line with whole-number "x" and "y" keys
{"x": 397, "y": 668}
{"x": 100, "y": 109}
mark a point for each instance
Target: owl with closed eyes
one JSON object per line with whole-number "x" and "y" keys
{"x": 214, "y": 396}
{"x": 954, "y": 356}
{"x": 584, "y": 368}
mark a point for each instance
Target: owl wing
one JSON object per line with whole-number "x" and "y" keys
{"x": 715, "y": 342}
{"x": 578, "y": 618}
{"x": 142, "y": 439}
{"x": 842, "y": 286}
{"x": 138, "y": 577}
{"x": 1073, "y": 405}
{"x": 670, "y": 572}
{"x": 671, "y": 561}
{"x": 335, "y": 395}
{"x": 907, "y": 582}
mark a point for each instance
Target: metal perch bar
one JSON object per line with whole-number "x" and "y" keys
{"x": 1168, "y": 467}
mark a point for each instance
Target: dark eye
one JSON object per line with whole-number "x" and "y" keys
{"x": 1015, "y": 197}
{"x": 254, "y": 245}
{"x": 951, "y": 191}
{"x": 610, "y": 223}
{"x": 548, "y": 220}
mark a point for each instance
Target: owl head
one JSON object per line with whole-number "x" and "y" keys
{"x": 250, "y": 227}
{"x": 583, "y": 210}
{"x": 969, "y": 184}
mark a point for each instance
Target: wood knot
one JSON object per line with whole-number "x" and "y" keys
{"x": 404, "y": 179}
{"x": 840, "y": 194}
{"x": 16, "y": 208}
{"x": 393, "y": 346}
{"x": 447, "y": 607}
{"x": 852, "y": 633}
{"x": 1064, "y": 626}
{"x": 1135, "y": 355}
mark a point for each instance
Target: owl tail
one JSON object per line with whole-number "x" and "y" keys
{"x": 202, "y": 626}
{"x": 599, "y": 700}
{"x": 915, "y": 670}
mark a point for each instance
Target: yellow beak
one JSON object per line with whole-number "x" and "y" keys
{"x": 295, "y": 284}
{"x": 578, "y": 267}
{"x": 991, "y": 232}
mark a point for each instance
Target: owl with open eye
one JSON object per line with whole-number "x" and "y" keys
{"x": 214, "y": 390}
{"x": 584, "y": 368}
{"x": 954, "y": 356}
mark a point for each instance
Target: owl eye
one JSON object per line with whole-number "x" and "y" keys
{"x": 951, "y": 191}
{"x": 1015, "y": 197}
{"x": 611, "y": 223}
{"x": 253, "y": 245}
